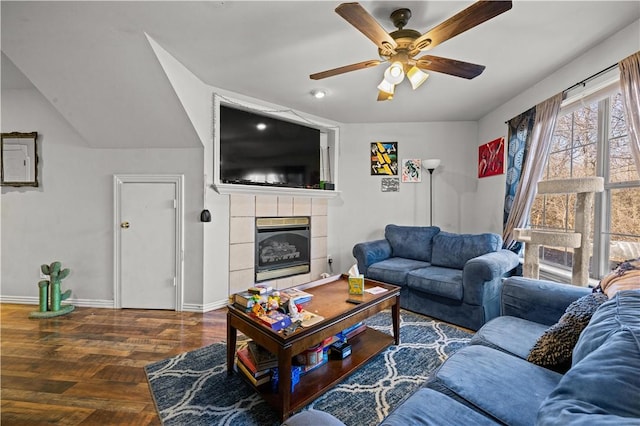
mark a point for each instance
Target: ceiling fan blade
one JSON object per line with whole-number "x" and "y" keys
{"x": 464, "y": 20}
{"x": 346, "y": 68}
{"x": 357, "y": 16}
{"x": 449, "y": 66}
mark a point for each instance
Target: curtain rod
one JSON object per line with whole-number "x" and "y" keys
{"x": 583, "y": 82}
{"x": 591, "y": 77}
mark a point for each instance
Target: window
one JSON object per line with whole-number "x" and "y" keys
{"x": 590, "y": 139}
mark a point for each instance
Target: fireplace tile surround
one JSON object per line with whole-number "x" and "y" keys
{"x": 243, "y": 210}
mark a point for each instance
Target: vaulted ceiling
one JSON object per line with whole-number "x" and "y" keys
{"x": 92, "y": 61}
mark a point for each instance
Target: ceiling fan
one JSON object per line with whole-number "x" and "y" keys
{"x": 400, "y": 47}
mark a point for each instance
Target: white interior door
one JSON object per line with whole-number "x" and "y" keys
{"x": 148, "y": 244}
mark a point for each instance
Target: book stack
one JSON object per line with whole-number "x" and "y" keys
{"x": 350, "y": 332}
{"x": 262, "y": 357}
{"x": 245, "y": 300}
{"x": 255, "y": 363}
{"x": 299, "y": 297}
{"x": 261, "y": 289}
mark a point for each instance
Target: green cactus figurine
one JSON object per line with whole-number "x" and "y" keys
{"x": 51, "y": 289}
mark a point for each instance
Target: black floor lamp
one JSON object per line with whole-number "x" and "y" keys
{"x": 431, "y": 165}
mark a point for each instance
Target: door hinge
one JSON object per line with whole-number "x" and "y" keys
{"x": 175, "y": 204}
{"x": 175, "y": 281}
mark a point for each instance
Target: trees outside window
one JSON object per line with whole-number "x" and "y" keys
{"x": 592, "y": 140}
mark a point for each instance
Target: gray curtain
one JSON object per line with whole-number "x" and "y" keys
{"x": 630, "y": 85}
{"x": 533, "y": 168}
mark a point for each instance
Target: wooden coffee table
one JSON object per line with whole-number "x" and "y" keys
{"x": 329, "y": 301}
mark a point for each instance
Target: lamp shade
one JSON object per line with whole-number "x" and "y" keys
{"x": 386, "y": 87}
{"x": 416, "y": 77}
{"x": 395, "y": 73}
{"x": 431, "y": 164}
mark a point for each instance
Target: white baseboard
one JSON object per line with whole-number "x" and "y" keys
{"x": 96, "y": 303}
{"x": 191, "y": 307}
{"x": 32, "y": 300}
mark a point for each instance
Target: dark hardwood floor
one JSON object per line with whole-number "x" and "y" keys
{"x": 86, "y": 368}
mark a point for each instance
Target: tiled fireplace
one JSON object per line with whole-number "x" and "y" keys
{"x": 282, "y": 247}
{"x": 272, "y": 211}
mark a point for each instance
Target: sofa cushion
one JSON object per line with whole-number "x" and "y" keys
{"x": 394, "y": 270}
{"x": 508, "y": 388}
{"x": 428, "y": 407}
{"x": 555, "y": 347}
{"x": 603, "y": 385}
{"x": 512, "y": 335}
{"x": 454, "y": 250}
{"x": 312, "y": 418}
{"x": 411, "y": 242}
{"x": 445, "y": 282}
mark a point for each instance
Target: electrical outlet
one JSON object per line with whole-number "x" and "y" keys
{"x": 329, "y": 259}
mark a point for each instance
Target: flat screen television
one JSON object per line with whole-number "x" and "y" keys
{"x": 257, "y": 149}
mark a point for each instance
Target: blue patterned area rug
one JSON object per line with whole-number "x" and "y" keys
{"x": 194, "y": 389}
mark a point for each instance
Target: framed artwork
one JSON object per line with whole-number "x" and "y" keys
{"x": 390, "y": 185}
{"x": 384, "y": 158}
{"x": 491, "y": 158}
{"x": 412, "y": 170}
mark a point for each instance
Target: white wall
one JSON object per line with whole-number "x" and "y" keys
{"x": 70, "y": 216}
{"x": 490, "y": 196}
{"x": 362, "y": 210}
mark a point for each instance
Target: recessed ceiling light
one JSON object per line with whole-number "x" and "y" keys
{"x": 261, "y": 126}
{"x": 318, "y": 93}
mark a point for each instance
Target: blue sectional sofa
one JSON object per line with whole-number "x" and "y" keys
{"x": 452, "y": 277}
{"x": 490, "y": 382}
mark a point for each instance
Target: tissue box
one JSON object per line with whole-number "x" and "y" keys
{"x": 356, "y": 284}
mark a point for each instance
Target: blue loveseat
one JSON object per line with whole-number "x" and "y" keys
{"x": 490, "y": 382}
{"x": 452, "y": 277}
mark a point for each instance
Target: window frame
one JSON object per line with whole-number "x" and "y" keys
{"x": 602, "y": 206}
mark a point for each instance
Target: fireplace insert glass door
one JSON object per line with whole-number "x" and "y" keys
{"x": 282, "y": 246}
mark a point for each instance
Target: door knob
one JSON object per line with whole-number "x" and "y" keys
{"x": 124, "y": 225}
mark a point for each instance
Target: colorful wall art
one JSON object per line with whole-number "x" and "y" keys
{"x": 384, "y": 158}
{"x": 412, "y": 170}
{"x": 491, "y": 158}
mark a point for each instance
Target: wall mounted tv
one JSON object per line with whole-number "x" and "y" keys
{"x": 258, "y": 149}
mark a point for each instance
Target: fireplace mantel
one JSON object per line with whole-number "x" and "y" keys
{"x": 229, "y": 188}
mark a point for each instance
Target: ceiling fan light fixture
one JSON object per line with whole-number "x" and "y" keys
{"x": 386, "y": 87}
{"x": 395, "y": 73}
{"x": 384, "y": 96}
{"x": 416, "y": 77}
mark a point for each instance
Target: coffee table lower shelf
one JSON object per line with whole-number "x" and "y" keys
{"x": 364, "y": 346}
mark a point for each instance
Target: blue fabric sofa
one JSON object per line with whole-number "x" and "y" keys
{"x": 489, "y": 382}
{"x": 452, "y": 277}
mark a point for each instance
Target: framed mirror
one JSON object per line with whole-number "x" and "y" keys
{"x": 19, "y": 155}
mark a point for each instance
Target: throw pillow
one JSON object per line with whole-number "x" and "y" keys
{"x": 554, "y": 348}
